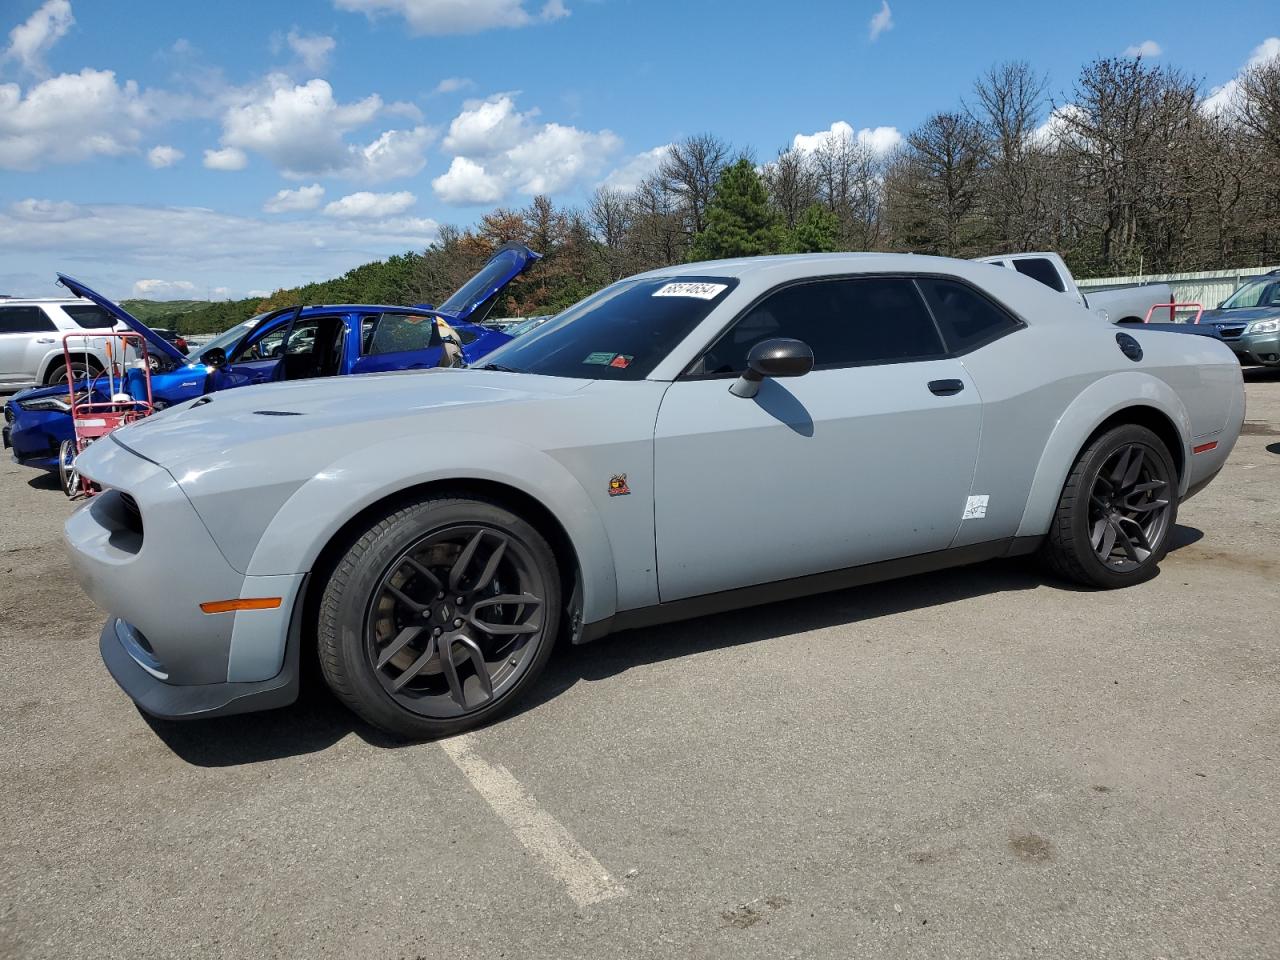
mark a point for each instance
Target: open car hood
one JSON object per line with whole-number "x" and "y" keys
{"x": 155, "y": 342}
{"x": 475, "y": 298}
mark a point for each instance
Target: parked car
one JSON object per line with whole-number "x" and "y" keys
{"x": 1248, "y": 322}
{"x": 1119, "y": 305}
{"x": 292, "y": 343}
{"x": 177, "y": 339}
{"x": 31, "y": 336}
{"x": 694, "y": 439}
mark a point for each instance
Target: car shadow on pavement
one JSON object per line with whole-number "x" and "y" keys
{"x": 45, "y": 481}
{"x": 1273, "y": 448}
{"x": 318, "y": 721}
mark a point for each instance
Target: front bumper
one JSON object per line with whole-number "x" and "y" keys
{"x": 142, "y": 553}
{"x": 35, "y": 436}
{"x": 1260, "y": 349}
{"x": 135, "y": 672}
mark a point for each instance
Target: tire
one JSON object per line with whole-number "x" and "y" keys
{"x": 68, "y": 475}
{"x": 58, "y": 372}
{"x": 391, "y": 602}
{"x": 1094, "y": 500}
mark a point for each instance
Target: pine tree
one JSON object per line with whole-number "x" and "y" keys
{"x": 740, "y": 222}
{"x": 817, "y": 231}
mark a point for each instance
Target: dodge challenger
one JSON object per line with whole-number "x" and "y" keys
{"x": 685, "y": 441}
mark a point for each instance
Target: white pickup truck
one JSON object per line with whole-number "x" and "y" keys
{"x": 1119, "y": 305}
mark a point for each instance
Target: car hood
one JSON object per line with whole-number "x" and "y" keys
{"x": 343, "y": 413}
{"x": 1242, "y": 315}
{"x": 155, "y": 342}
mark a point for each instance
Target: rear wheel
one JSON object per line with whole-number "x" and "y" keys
{"x": 439, "y": 617}
{"x": 67, "y": 472}
{"x": 1117, "y": 510}
{"x": 58, "y": 373}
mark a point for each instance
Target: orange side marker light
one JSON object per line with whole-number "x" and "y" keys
{"x": 246, "y": 603}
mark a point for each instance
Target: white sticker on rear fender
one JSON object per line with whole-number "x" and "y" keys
{"x": 703, "y": 291}
{"x": 975, "y": 508}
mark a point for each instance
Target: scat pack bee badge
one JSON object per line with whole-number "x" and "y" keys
{"x": 618, "y": 485}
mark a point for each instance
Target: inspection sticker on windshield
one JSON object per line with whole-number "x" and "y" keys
{"x": 602, "y": 358}
{"x": 702, "y": 291}
{"x": 975, "y": 508}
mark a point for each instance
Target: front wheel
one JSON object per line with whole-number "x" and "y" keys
{"x": 1117, "y": 511}
{"x": 67, "y": 472}
{"x": 439, "y": 617}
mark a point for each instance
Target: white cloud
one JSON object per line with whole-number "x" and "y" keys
{"x": 632, "y": 172}
{"x": 30, "y": 40}
{"x": 1223, "y": 99}
{"x": 313, "y": 51}
{"x": 881, "y": 21}
{"x": 302, "y": 129}
{"x": 466, "y": 182}
{"x": 1146, "y": 49}
{"x": 1049, "y": 133}
{"x": 162, "y": 156}
{"x": 365, "y": 204}
{"x": 453, "y": 85}
{"x": 291, "y": 201}
{"x": 499, "y": 149}
{"x": 70, "y": 118}
{"x": 440, "y": 17}
{"x": 112, "y": 245}
{"x": 262, "y": 294}
{"x": 228, "y": 158}
{"x": 880, "y": 140}
{"x": 164, "y": 289}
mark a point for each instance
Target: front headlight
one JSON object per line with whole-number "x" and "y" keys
{"x": 46, "y": 404}
{"x": 1266, "y": 326}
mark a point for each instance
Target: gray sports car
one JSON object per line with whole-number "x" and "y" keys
{"x": 686, "y": 441}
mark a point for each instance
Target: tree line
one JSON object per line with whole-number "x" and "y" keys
{"x": 1130, "y": 171}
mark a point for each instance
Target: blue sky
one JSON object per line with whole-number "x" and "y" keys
{"x": 217, "y": 149}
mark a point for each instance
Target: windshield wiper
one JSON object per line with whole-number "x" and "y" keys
{"x": 501, "y": 368}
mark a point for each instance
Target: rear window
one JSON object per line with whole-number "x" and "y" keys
{"x": 1038, "y": 268}
{"x": 90, "y": 316}
{"x": 620, "y": 333}
{"x": 968, "y": 319}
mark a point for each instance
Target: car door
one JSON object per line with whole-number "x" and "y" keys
{"x": 398, "y": 341}
{"x": 255, "y": 358}
{"x": 26, "y": 336}
{"x": 868, "y": 457}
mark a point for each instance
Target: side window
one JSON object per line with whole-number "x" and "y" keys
{"x": 264, "y": 346}
{"x": 845, "y": 322}
{"x": 968, "y": 319}
{"x": 89, "y": 316}
{"x": 399, "y": 333}
{"x": 24, "y": 320}
{"x": 1038, "y": 268}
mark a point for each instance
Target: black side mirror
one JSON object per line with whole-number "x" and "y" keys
{"x": 773, "y": 358}
{"x": 215, "y": 357}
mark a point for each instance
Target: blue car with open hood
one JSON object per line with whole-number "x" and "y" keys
{"x": 293, "y": 343}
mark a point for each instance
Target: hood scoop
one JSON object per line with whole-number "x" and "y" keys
{"x": 279, "y": 413}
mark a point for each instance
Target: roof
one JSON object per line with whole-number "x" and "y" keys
{"x": 9, "y": 300}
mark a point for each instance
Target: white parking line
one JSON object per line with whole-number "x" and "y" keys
{"x": 542, "y": 834}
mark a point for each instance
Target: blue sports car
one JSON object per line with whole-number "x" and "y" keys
{"x": 293, "y": 343}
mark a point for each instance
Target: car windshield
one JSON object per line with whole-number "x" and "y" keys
{"x": 620, "y": 333}
{"x": 1263, "y": 293}
{"x": 228, "y": 339}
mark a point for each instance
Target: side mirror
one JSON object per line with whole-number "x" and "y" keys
{"x": 215, "y": 357}
{"x": 773, "y": 358}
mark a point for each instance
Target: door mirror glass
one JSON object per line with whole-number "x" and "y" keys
{"x": 773, "y": 358}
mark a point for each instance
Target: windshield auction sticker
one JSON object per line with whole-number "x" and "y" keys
{"x": 702, "y": 291}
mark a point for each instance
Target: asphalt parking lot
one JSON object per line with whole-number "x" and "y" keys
{"x": 981, "y": 763}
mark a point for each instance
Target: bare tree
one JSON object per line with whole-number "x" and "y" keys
{"x": 932, "y": 187}
{"x": 690, "y": 171}
{"x": 610, "y": 214}
{"x": 792, "y": 184}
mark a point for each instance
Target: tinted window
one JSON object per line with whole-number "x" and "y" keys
{"x": 844, "y": 322}
{"x": 398, "y": 333}
{"x": 620, "y": 333}
{"x": 24, "y": 320}
{"x": 1038, "y": 268}
{"x": 968, "y": 319}
{"x": 90, "y": 316}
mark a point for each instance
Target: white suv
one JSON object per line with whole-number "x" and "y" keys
{"x": 31, "y": 333}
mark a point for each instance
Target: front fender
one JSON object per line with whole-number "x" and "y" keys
{"x": 1093, "y": 406}
{"x": 318, "y": 509}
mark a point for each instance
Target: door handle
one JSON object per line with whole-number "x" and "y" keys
{"x": 946, "y": 388}
{"x": 46, "y": 340}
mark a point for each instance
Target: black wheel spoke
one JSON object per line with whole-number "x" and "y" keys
{"x": 407, "y": 600}
{"x": 491, "y": 566}
{"x": 1121, "y": 467}
{"x": 1134, "y": 469}
{"x": 459, "y": 569}
{"x": 415, "y": 668}
{"x": 402, "y": 640}
{"x": 425, "y": 574}
{"x": 1108, "y": 541}
{"x": 1126, "y": 543}
{"x": 524, "y": 600}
